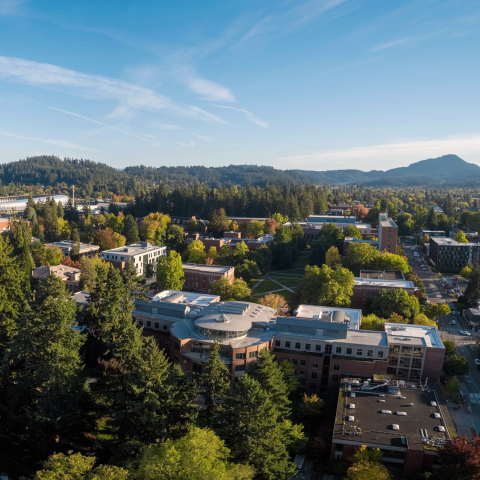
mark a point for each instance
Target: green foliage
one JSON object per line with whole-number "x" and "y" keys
{"x": 367, "y": 465}
{"x": 352, "y": 231}
{"x": 333, "y": 258}
{"x": 196, "y": 252}
{"x": 247, "y": 270}
{"x": 435, "y": 310}
{"x": 449, "y": 347}
{"x": 310, "y": 408}
{"x": 456, "y": 365}
{"x": 422, "y": 319}
{"x": 45, "y": 255}
{"x": 396, "y": 301}
{"x": 170, "y": 272}
{"x": 255, "y": 229}
{"x": 460, "y": 237}
{"x": 238, "y": 290}
{"x": 249, "y": 424}
{"x": 472, "y": 292}
{"x": 372, "y": 322}
{"x": 175, "y": 235}
{"x": 329, "y": 236}
{"x": 324, "y": 286}
{"x": 219, "y": 220}
{"x": 76, "y": 466}
{"x": 453, "y": 386}
{"x": 130, "y": 230}
{"x": 199, "y": 455}
{"x": 465, "y": 272}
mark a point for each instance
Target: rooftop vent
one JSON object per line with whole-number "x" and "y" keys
{"x": 381, "y": 395}
{"x": 411, "y": 404}
{"x": 437, "y": 415}
{"x": 352, "y": 394}
{"x": 402, "y": 397}
{"x": 351, "y": 405}
{"x": 441, "y": 428}
{"x": 350, "y": 418}
{"x": 402, "y": 414}
{"x": 382, "y": 401}
{"x": 386, "y": 412}
{"x": 395, "y": 427}
{"x": 433, "y": 404}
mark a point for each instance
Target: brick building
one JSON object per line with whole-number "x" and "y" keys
{"x": 387, "y": 234}
{"x": 198, "y": 278}
{"x": 370, "y": 283}
{"x": 404, "y": 421}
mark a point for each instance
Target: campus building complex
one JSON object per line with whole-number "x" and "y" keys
{"x": 143, "y": 255}
{"x": 69, "y": 275}
{"x": 403, "y": 419}
{"x": 85, "y": 249}
{"x": 198, "y": 278}
{"x": 323, "y": 343}
{"x": 387, "y": 234}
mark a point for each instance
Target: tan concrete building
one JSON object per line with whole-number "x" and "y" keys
{"x": 70, "y": 275}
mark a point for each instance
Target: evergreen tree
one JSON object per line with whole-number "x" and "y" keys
{"x": 472, "y": 292}
{"x": 215, "y": 379}
{"x": 45, "y": 391}
{"x": 271, "y": 377}
{"x": 75, "y": 238}
{"x": 248, "y": 422}
{"x": 130, "y": 230}
{"x": 11, "y": 295}
{"x": 50, "y": 220}
{"x": 21, "y": 239}
{"x": 170, "y": 272}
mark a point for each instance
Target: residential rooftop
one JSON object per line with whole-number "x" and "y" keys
{"x": 62, "y": 271}
{"x": 188, "y": 298}
{"x": 386, "y": 221}
{"x": 135, "y": 249}
{"x": 389, "y": 413}
{"x": 352, "y": 316}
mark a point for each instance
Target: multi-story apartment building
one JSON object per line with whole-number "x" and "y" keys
{"x": 323, "y": 343}
{"x": 448, "y": 253}
{"x": 404, "y": 421}
{"x": 143, "y": 255}
{"x": 66, "y": 246}
{"x": 387, "y": 234}
{"x": 198, "y": 278}
{"x": 70, "y": 275}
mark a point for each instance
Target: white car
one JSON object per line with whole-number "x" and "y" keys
{"x": 477, "y": 361}
{"x": 463, "y": 332}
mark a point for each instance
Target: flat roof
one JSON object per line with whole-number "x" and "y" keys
{"x": 332, "y": 219}
{"x": 68, "y": 244}
{"x": 206, "y": 268}
{"x": 366, "y": 337}
{"x": 318, "y": 312}
{"x": 448, "y": 241}
{"x": 413, "y": 335}
{"x": 135, "y": 249}
{"x": 386, "y": 221}
{"x": 372, "y": 427}
{"x": 188, "y": 298}
{"x": 382, "y": 274}
{"x": 383, "y": 282}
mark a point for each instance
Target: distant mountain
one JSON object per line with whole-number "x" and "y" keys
{"x": 446, "y": 169}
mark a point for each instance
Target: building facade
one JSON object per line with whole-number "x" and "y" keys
{"x": 69, "y": 275}
{"x": 387, "y": 234}
{"x": 448, "y": 253}
{"x": 143, "y": 255}
{"x": 198, "y": 278}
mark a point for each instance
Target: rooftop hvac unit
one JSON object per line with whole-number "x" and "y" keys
{"x": 402, "y": 414}
{"x": 386, "y": 412}
{"x": 433, "y": 404}
{"x": 352, "y": 394}
{"x": 351, "y": 405}
{"x": 395, "y": 427}
{"x": 441, "y": 428}
{"x": 350, "y": 418}
{"x": 382, "y": 401}
{"x": 437, "y": 415}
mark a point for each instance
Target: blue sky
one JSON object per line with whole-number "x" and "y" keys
{"x": 309, "y": 84}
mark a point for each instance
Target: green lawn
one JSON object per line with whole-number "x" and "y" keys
{"x": 266, "y": 286}
{"x": 291, "y": 282}
{"x": 302, "y": 262}
{"x": 104, "y": 431}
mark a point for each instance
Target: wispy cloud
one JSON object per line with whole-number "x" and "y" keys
{"x": 165, "y": 126}
{"x": 405, "y": 40}
{"x": 10, "y": 7}
{"x": 250, "y": 116}
{"x": 95, "y": 87}
{"x": 101, "y": 123}
{"x": 59, "y": 143}
{"x": 286, "y": 22}
{"x": 190, "y": 144}
{"x": 202, "y": 137}
{"x": 208, "y": 90}
{"x": 400, "y": 151}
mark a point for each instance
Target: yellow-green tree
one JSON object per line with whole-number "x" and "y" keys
{"x": 372, "y": 322}
{"x": 333, "y": 257}
{"x": 460, "y": 237}
{"x": 367, "y": 465}
{"x": 196, "y": 252}
{"x": 466, "y": 272}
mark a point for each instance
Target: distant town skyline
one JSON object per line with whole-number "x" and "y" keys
{"x": 312, "y": 84}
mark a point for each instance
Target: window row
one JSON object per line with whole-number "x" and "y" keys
{"x": 149, "y": 325}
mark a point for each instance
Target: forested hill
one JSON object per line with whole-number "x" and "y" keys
{"x": 241, "y": 175}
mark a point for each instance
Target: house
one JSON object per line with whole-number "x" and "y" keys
{"x": 143, "y": 255}
{"x": 70, "y": 275}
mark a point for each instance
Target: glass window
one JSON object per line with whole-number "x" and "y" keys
{"x": 414, "y": 374}
{"x": 318, "y": 348}
{"x": 402, "y": 373}
{"x": 394, "y": 350}
{"x": 393, "y": 361}
{"x": 328, "y": 349}
{"x": 277, "y": 343}
{"x": 369, "y": 353}
{"x": 315, "y": 365}
{"x": 338, "y": 350}
{"x": 336, "y": 367}
{"x": 335, "y": 378}
{"x": 165, "y": 327}
{"x": 380, "y": 354}
{"x": 294, "y": 361}
{"x": 359, "y": 352}
{"x": 314, "y": 374}
{"x": 253, "y": 354}
{"x": 240, "y": 356}
{"x": 407, "y": 350}
{"x": 416, "y": 363}
{"x": 240, "y": 368}
{"x": 297, "y": 345}
{"x": 302, "y": 372}
{"x": 307, "y": 346}
{"x": 391, "y": 370}
{"x": 302, "y": 363}
{"x": 405, "y": 362}
{"x": 313, "y": 386}
{"x": 349, "y": 351}
{"x": 287, "y": 344}
{"x": 157, "y": 325}
{"x": 140, "y": 323}
{"x": 417, "y": 351}
{"x": 167, "y": 342}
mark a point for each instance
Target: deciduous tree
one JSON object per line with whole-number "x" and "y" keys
{"x": 170, "y": 274}
{"x": 397, "y": 301}
{"x": 275, "y": 301}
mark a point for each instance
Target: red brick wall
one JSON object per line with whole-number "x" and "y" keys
{"x": 413, "y": 461}
{"x": 433, "y": 364}
{"x": 361, "y": 293}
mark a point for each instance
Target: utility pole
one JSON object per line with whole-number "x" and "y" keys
{"x": 73, "y": 186}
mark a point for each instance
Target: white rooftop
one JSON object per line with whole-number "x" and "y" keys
{"x": 384, "y": 282}
{"x": 353, "y": 315}
{"x": 206, "y": 268}
{"x": 188, "y": 298}
{"x": 399, "y": 332}
{"x": 135, "y": 249}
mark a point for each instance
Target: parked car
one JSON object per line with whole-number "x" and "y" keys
{"x": 463, "y": 332}
{"x": 453, "y": 322}
{"x": 477, "y": 361}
